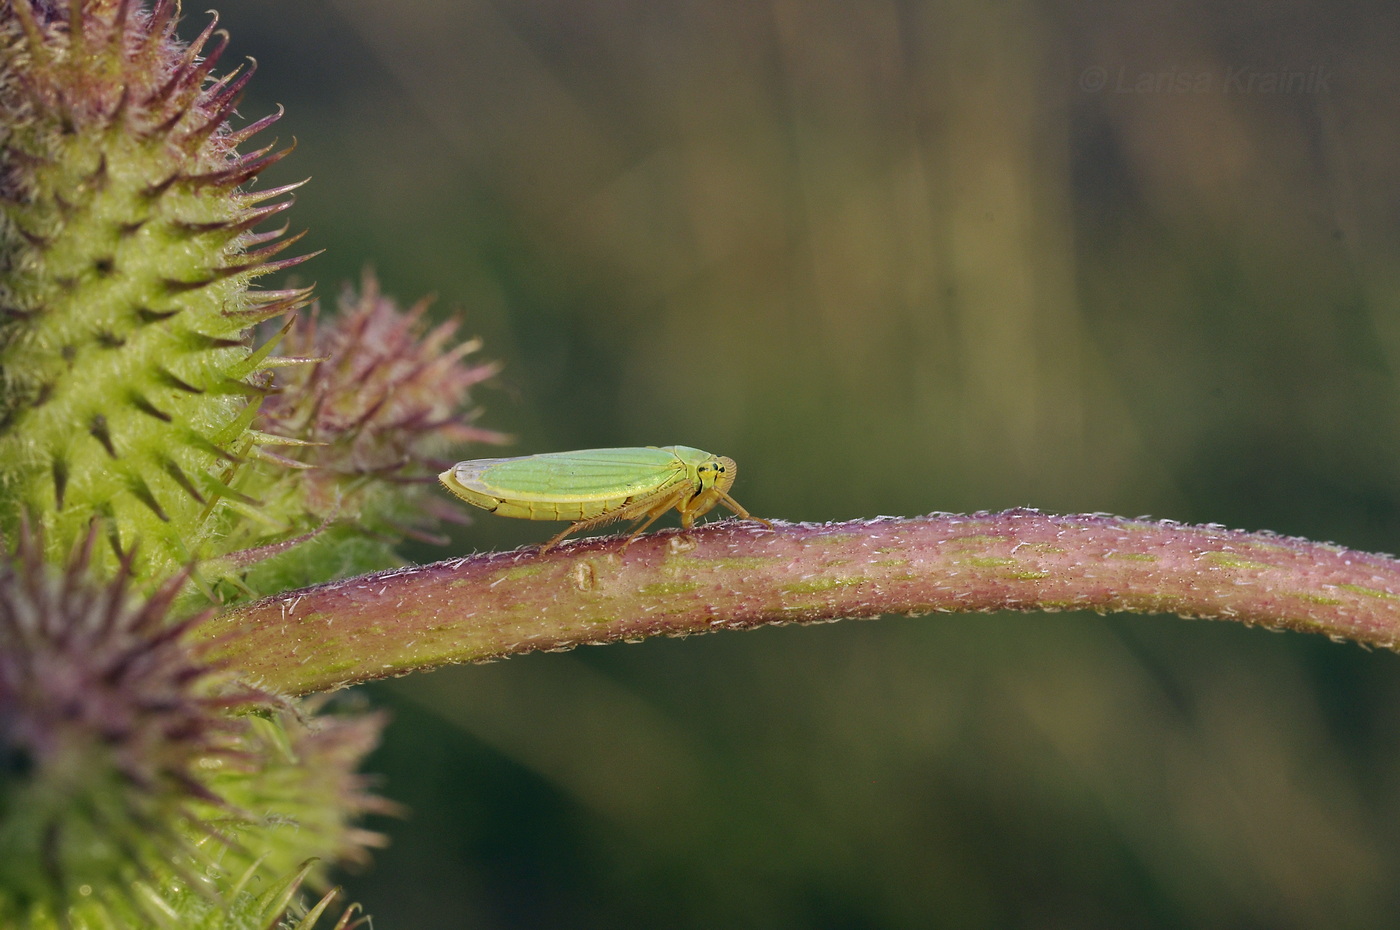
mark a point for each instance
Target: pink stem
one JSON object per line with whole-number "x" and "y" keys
{"x": 736, "y": 575}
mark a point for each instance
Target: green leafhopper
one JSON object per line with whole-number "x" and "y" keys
{"x": 596, "y": 486}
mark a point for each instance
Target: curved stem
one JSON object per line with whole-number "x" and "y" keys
{"x": 736, "y": 575}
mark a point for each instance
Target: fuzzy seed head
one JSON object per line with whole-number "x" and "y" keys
{"x": 126, "y": 257}
{"x": 108, "y": 722}
{"x": 131, "y": 771}
{"x": 364, "y": 405}
{"x": 381, "y": 393}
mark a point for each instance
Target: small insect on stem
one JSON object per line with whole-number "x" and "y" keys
{"x": 597, "y": 486}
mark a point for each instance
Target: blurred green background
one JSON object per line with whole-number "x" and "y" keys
{"x": 893, "y": 257}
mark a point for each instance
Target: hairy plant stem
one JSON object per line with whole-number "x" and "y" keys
{"x": 735, "y": 575}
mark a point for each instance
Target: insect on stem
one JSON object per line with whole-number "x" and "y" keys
{"x": 593, "y": 487}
